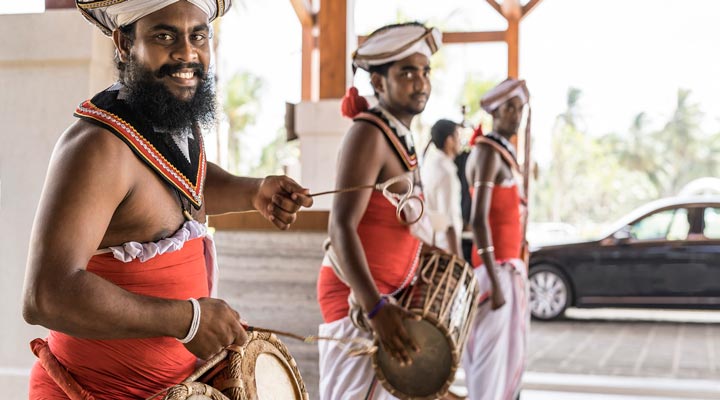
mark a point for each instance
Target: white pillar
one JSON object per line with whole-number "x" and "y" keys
{"x": 320, "y": 127}
{"x": 49, "y": 63}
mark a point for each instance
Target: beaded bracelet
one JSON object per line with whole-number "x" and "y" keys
{"x": 195, "y": 324}
{"x": 379, "y": 305}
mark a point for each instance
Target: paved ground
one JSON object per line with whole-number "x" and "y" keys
{"x": 645, "y": 349}
{"x": 271, "y": 278}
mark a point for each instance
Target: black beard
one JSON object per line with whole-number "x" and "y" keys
{"x": 152, "y": 101}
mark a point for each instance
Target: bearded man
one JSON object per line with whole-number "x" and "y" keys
{"x": 120, "y": 268}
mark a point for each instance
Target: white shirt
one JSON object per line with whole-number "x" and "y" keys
{"x": 441, "y": 187}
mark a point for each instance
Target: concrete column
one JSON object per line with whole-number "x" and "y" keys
{"x": 46, "y": 69}
{"x": 320, "y": 127}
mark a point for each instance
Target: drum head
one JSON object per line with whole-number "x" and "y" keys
{"x": 274, "y": 379}
{"x": 262, "y": 369}
{"x": 432, "y": 368}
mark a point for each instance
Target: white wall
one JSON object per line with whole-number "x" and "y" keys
{"x": 49, "y": 63}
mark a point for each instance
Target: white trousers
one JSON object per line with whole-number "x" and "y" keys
{"x": 494, "y": 357}
{"x": 345, "y": 377}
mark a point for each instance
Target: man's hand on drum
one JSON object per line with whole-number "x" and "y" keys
{"x": 279, "y": 198}
{"x": 220, "y": 326}
{"x": 390, "y": 330}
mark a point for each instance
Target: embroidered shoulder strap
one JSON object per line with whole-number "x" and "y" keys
{"x": 147, "y": 152}
{"x": 406, "y": 155}
{"x": 506, "y": 155}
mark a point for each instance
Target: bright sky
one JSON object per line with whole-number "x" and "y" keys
{"x": 627, "y": 56}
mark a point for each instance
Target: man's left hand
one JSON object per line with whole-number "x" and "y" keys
{"x": 279, "y": 198}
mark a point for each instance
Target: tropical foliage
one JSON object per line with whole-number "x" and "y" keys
{"x": 241, "y": 104}
{"x": 592, "y": 180}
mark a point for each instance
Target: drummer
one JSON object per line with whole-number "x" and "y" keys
{"x": 129, "y": 177}
{"x": 376, "y": 255}
{"x": 494, "y": 358}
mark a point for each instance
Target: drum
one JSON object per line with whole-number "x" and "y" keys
{"x": 261, "y": 369}
{"x": 445, "y": 296}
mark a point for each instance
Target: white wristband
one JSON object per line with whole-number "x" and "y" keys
{"x": 488, "y": 249}
{"x": 195, "y": 324}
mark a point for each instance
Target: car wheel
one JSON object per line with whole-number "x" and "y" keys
{"x": 550, "y": 292}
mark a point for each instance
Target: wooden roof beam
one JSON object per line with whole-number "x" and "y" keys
{"x": 53, "y": 4}
{"x": 471, "y": 37}
{"x": 529, "y": 7}
{"x": 303, "y": 10}
{"x": 496, "y": 6}
{"x": 463, "y": 37}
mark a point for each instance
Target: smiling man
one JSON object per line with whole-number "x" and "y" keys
{"x": 120, "y": 268}
{"x": 376, "y": 255}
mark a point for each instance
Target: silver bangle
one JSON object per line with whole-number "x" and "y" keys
{"x": 488, "y": 249}
{"x": 488, "y": 184}
{"x": 195, "y": 324}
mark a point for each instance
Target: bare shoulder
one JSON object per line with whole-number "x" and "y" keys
{"x": 87, "y": 159}
{"x": 482, "y": 163}
{"x": 86, "y": 181}
{"x": 93, "y": 141}
{"x": 481, "y": 153}
{"x": 364, "y": 134}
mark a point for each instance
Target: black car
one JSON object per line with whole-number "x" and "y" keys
{"x": 664, "y": 254}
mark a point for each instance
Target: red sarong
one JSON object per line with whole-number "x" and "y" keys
{"x": 130, "y": 368}
{"x": 391, "y": 253}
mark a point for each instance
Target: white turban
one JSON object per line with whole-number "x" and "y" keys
{"x": 503, "y": 92}
{"x": 111, "y": 14}
{"x": 395, "y": 42}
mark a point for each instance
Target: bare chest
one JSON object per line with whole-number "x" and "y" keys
{"x": 151, "y": 211}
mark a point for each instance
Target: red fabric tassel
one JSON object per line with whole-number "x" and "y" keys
{"x": 353, "y": 104}
{"x": 477, "y": 133}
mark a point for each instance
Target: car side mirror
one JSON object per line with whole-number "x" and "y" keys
{"x": 623, "y": 235}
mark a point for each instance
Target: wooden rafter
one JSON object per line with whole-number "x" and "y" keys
{"x": 464, "y": 37}
{"x": 303, "y": 10}
{"x": 529, "y": 7}
{"x": 53, "y": 4}
{"x": 473, "y": 37}
{"x": 495, "y": 5}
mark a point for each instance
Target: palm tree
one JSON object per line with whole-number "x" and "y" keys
{"x": 241, "y": 105}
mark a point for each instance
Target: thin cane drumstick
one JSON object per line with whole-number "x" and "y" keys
{"x": 350, "y": 189}
{"x": 377, "y": 186}
{"x": 359, "y": 346}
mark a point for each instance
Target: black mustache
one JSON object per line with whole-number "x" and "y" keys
{"x": 168, "y": 69}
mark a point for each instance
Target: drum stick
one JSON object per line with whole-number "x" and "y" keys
{"x": 377, "y": 186}
{"x": 360, "y": 346}
{"x": 350, "y": 189}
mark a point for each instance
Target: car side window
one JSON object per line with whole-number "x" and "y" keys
{"x": 711, "y": 227}
{"x": 667, "y": 224}
{"x": 680, "y": 225}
